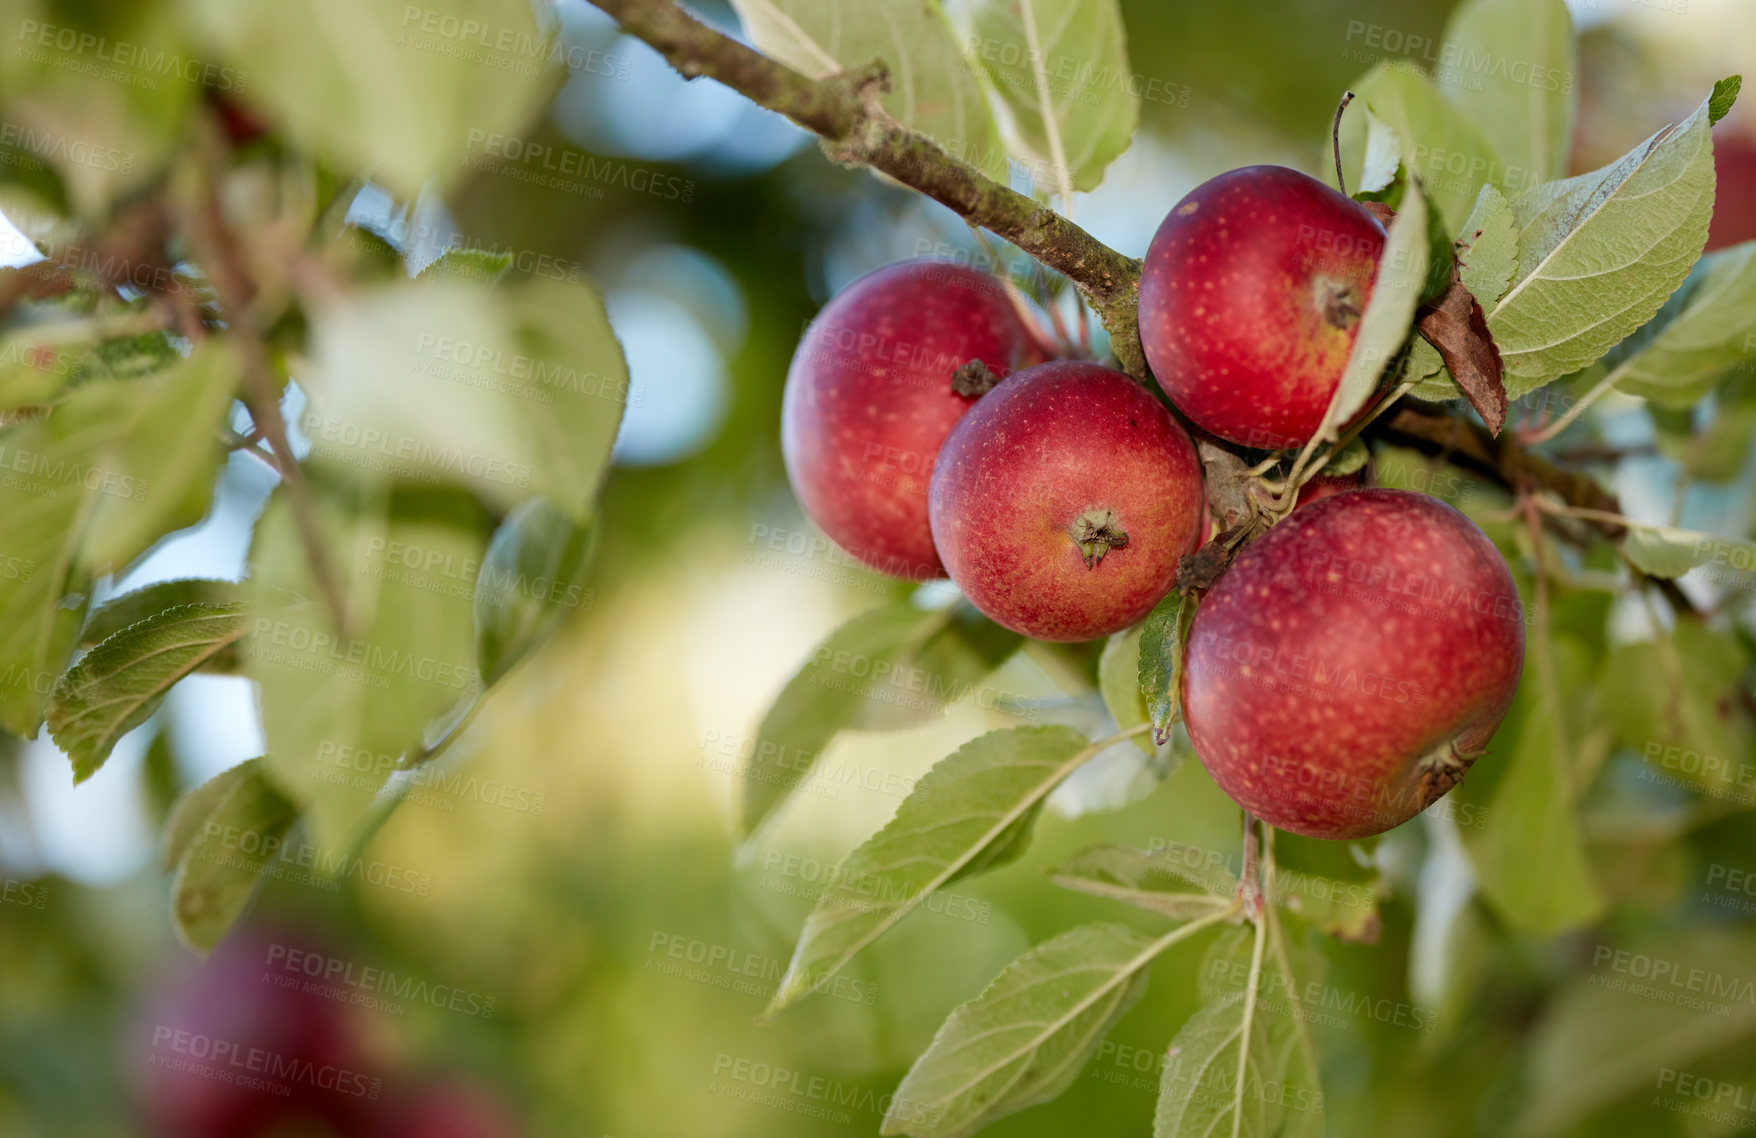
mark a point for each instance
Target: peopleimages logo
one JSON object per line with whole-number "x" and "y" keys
{"x": 228, "y": 1061}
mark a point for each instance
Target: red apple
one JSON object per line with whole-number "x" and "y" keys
{"x": 869, "y": 400}
{"x": 453, "y": 1108}
{"x": 1250, "y": 299}
{"x": 1325, "y": 486}
{"x": 1352, "y": 662}
{"x": 1063, "y": 500}
{"x": 244, "y": 1047}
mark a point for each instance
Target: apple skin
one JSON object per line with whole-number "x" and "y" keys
{"x": 1351, "y": 663}
{"x": 1326, "y": 486}
{"x": 869, "y": 401}
{"x": 231, "y": 1002}
{"x": 1250, "y": 300}
{"x": 451, "y": 1108}
{"x": 1056, "y": 443}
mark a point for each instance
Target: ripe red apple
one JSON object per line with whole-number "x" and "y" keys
{"x": 453, "y": 1108}
{"x": 869, "y": 399}
{"x": 1325, "y": 486}
{"x": 1063, "y": 500}
{"x": 1352, "y": 662}
{"x": 1250, "y": 300}
{"x": 241, "y": 1048}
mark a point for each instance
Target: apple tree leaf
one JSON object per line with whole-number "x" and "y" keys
{"x": 1183, "y": 882}
{"x": 1060, "y": 68}
{"x": 933, "y": 88}
{"x": 1384, "y": 327}
{"x": 1025, "y": 1039}
{"x": 246, "y": 819}
{"x": 405, "y": 558}
{"x": 1511, "y": 66}
{"x": 117, "y": 685}
{"x": 533, "y": 575}
{"x": 1597, "y": 1044}
{"x": 507, "y": 392}
{"x": 89, "y": 487}
{"x": 972, "y": 812}
{"x": 1674, "y": 702}
{"x": 1163, "y": 643}
{"x": 1439, "y": 144}
{"x": 1599, "y": 253}
{"x": 1524, "y": 790}
{"x": 1487, "y": 258}
{"x": 383, "y": 86}
{"x": 1707, "y": 327}
{"x": 931, "y": 655}
{"x": 136, "y": 605}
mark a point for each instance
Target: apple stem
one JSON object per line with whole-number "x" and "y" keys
{"x": 1249, "y": 887}
{"x": 1335, "y": 141}
{"x": 1096, "y": 532}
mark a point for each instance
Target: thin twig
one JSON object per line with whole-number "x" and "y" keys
{"x": 223, "y": 261}
{"x": 859, "y": 132}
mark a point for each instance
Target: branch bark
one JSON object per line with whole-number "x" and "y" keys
{"x": 843, "y": 109}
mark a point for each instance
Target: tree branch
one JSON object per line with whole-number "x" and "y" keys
{"x": 843, "y": 109}
{"x": 223, "y": 261}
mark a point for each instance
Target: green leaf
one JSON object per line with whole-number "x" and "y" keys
{"x": 129, "y": 608}
{"x": 89, "y": 487}
{"x": 1718, "y": 450}
{"x": 1025, "y": 1039}
{"x": 1674, "y": 702}
{"x": 1119, "y": 682}
{"x": 1601, "y": 1040}
{"x": 1060, "y": 67}
{"x": 933, "y": 89}
{"x": 1511, "y": 66}
{"x": 1383, "y": 154}
{"x": 851, "y": 672}
{"x": 1725, "y": 93}
{"x": 1667, "y": 552}
{"x": 477, "y": 265}
{"x": 1706, "y": 328}
{"x": 1163, "y": 641}
{"x": 1523, "y": 788}
{"x": 1158, "y": 882}
{"x": 106, "y": 138}
{"x": 386, "y": 88}
{"x": 972, "y": 812}
{"x": 1438, "y": 142}
{"x": 121, "y": 682}
{"x": 234, "y": 841}
{"x": 510, "y": 393}
{"x": 405, "y": 560}
{"x": 1488, "y": 247}
{"x": 1599, "y": 253}
{"x": 1326, "y": 884}
{"x": 1217, "y": 1070}
{"x": 1389, "y": 315}
{"x": 533, "y": 575}
{"x": 189, "y": 815}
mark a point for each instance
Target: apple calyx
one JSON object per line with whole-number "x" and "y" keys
{"x": 1096, "y": 532}
{"x": 1440, "y": 770}
{"x": 973, "y": 379}
{"x": 1338, "y": 302}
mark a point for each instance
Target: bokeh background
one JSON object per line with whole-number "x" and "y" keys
{"x": 573, "y": 869}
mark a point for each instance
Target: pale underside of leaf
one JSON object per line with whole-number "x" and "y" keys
{"x": 1599, "y": 253}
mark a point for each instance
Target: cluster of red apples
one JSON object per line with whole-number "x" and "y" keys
{"x": 1347, "y": 666}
